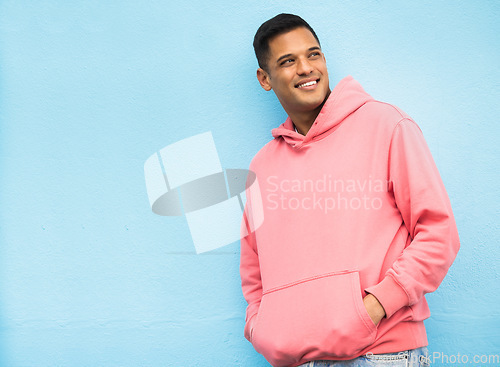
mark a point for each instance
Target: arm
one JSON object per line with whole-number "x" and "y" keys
{"x": 251, "y": 284}
{"x": 374, "y": 308}
{"x": 426, "y": 211}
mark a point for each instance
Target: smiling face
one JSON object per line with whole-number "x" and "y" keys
{"x": 296, "y": 72}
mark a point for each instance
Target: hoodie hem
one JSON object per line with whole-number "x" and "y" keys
{"x": 389, "y": 342}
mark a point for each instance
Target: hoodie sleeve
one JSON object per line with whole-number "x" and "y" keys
{"x": 251, "y": 283}
{"x": 426, "y": 211}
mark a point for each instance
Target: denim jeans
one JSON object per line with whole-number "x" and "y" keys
{"x": 410, "y": 358}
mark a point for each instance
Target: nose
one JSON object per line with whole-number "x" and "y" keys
{"x": 304, "y": 67}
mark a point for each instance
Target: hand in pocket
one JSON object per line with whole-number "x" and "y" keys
{"x": 374, "y": 308}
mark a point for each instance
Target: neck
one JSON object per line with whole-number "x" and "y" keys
{"x": 304, "y": 120}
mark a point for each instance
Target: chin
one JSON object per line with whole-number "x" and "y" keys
{"x": 314, "y": 103}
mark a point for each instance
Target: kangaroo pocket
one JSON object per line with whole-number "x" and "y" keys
{"x": 314, "y": 318}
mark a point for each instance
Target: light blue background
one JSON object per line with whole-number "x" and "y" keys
{"x": 89, "y": 276}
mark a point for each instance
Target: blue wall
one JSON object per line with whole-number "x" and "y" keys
{"x": 89, "y": 276}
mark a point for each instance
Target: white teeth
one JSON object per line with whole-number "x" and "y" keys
{"x": 307, "y": 84}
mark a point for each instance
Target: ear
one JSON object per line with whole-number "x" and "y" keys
{"x": 264, "y": 79}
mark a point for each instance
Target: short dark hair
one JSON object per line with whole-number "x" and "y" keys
{"x": 280, "y": 24}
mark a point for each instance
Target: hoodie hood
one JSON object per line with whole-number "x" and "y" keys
{"x": 345, "y": 98}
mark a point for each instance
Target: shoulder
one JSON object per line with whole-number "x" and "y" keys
{"x": 388, "y": 114}
{"x": 264, "y": 154}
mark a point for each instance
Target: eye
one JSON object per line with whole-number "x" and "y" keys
{"x": 314, "y": 54}
{"x": 286, "y": 62}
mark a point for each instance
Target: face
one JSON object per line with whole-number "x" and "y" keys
{"x": 297, "y": 71}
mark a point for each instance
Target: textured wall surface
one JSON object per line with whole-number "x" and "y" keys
{"x": 89, "y": 276}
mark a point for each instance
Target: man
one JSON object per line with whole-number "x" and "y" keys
{"x": 357, "y": 226}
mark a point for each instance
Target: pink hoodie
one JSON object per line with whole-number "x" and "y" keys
{"x": 355, "y": 206}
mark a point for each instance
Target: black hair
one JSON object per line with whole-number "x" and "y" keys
{"x": 280, "y": 24}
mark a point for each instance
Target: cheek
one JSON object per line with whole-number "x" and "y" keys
{"x": 285, "y": 83}
{"x": 322, "y": 68}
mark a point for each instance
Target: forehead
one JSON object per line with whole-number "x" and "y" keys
{"x": 292, "y": 42}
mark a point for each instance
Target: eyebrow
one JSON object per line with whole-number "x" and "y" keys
{"x": 288, "y": 55}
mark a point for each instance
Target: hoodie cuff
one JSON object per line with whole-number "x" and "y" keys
{"x": 249, "y": 327}
{"x": 390, "y": 295}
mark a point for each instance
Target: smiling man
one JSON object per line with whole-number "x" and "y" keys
{"x": 357, "y": 224}
{"x": 297, "y": 75}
